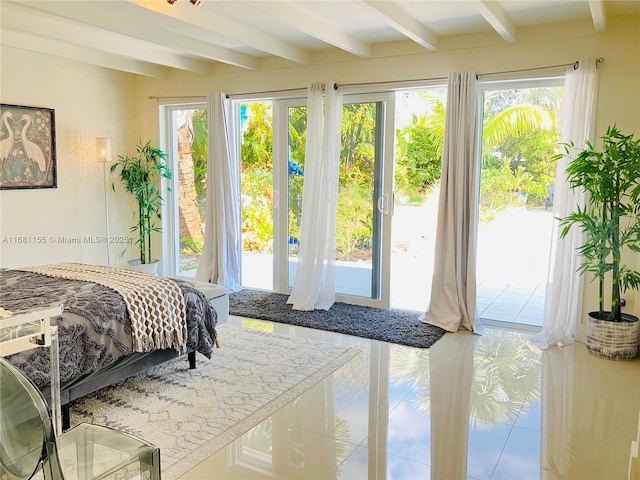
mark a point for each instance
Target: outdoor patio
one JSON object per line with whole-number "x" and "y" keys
{"x": 512, "y": 265}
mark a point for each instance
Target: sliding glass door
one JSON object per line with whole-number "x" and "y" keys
{"x": 520, "y": 134}
{"x": 257, "y": 193}
{"x": 520, "y": 137}
{"x": 186, "y": 131}
{"x": 420, "y": 121}
{"x": 272, "y": 162}
{"x": 364, "y": 196}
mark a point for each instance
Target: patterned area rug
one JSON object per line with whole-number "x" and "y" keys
{"x": 393, "y": 326}
{"x": 190, "y": 414}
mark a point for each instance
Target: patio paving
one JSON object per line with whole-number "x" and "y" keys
{"x": 520, "y": 304}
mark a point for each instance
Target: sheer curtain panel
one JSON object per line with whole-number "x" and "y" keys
{"x": 563, "y": 296}
{"x": 453, "y": 294}
{"x": 314, "y": 285}
{"x": 222, "y": 249}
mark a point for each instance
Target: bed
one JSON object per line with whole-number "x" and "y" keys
{"x": 97, "y": 331}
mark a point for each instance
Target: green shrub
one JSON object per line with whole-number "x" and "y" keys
{"x": 353, "y": 222}
{"x": 257, "y": 211}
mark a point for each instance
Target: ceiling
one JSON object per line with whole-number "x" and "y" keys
{"x": 150, "y": 37}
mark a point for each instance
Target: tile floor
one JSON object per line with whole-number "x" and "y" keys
{"x": 516, "y": 303}
{"x": 474, "y": 407}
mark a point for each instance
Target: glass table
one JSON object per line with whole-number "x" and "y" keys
{"x": 29, "y": 330}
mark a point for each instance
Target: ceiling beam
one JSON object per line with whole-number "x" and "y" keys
{"x": 33, "y": 43}
{"x": 42, "y": 24}
{"x": 316, "y": 27}
{"x": 405, "y": 23}
{"x": 498, "y": 19}
{"x": 598, "y": 15}
{"x": 101, "y": 15}
{"x": 205, "y": 19}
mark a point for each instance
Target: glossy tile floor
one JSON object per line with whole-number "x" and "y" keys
{"x": 475, "y": 407}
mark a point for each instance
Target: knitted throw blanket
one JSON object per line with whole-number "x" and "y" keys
{"x": 155, "y": 305}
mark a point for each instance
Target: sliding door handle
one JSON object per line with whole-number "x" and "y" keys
{"x": 384, "y": 204}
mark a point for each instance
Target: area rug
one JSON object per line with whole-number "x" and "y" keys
{"x": 393, "y": 326}
{"x": 191, "y": 414}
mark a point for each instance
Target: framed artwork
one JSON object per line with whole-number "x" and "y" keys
{"x": 27, "y": 147}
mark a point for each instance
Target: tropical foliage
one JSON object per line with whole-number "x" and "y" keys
{"x": 611, "y": 178}
{"x": 519, "y": 144}
{"x": 354, "y": 232}
{"x": 355, "y": 185}
{"x": 257, "y": 178}
{"x": 199, "y": 148}
{"x": 140, "y": 175}
{"x": 419, "y": 147}
{"x": 518, "y": 161}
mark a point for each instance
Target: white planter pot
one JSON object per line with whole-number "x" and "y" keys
{"x": 613, "y": 340}
{"x": 149, "y": 268}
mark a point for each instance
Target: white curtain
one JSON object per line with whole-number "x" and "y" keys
{"x": 220, "y": 259}
{"x": 563, "y": 297}
{"x": 314, "y": 285}
{"x": 453, "y": 294}
{"x": 450, "y": 387}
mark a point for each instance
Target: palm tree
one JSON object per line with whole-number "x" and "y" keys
{"x": 515, "y": 121}
{"x": 520, "y": 135}
{"x": 191, "y": 227}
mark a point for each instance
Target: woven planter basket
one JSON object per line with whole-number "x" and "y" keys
{"x": 613, "y": 340}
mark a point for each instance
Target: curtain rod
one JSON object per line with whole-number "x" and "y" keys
{"x": 575, "y": 64}
{"x": 229, "y": 95}
{"x": 153, "y": 97}
{"x": 265, "y": 92}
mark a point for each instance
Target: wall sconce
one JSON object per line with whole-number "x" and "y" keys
{"x": 103, "y": 154}
{"x": 103, "y": 149}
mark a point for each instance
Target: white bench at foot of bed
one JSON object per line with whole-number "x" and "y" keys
{"x": 218, "y": 298}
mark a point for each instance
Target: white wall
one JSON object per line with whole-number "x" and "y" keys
{"x": 89, "y": 102}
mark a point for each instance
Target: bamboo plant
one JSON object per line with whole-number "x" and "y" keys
{"x": 140, "y": 175}
{"x": 611, "y": 179}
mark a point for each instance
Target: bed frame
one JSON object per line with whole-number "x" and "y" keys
{"x": 134, "y": 363}
{"x": 120, "y": 370}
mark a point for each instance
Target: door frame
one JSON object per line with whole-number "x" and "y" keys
{"x": 170, "y": 264}
{"x": 496, "y": 85}
{"x": 383, "y": 188}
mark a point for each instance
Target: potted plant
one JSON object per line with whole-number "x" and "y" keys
{"x": 611, "y": 179}
{"x": 140, "y": 174}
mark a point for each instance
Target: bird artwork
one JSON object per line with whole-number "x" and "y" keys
{"x": 27, "y": 147}
{"x": 6, "y": 144}
{"x": 33, "y": 151}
